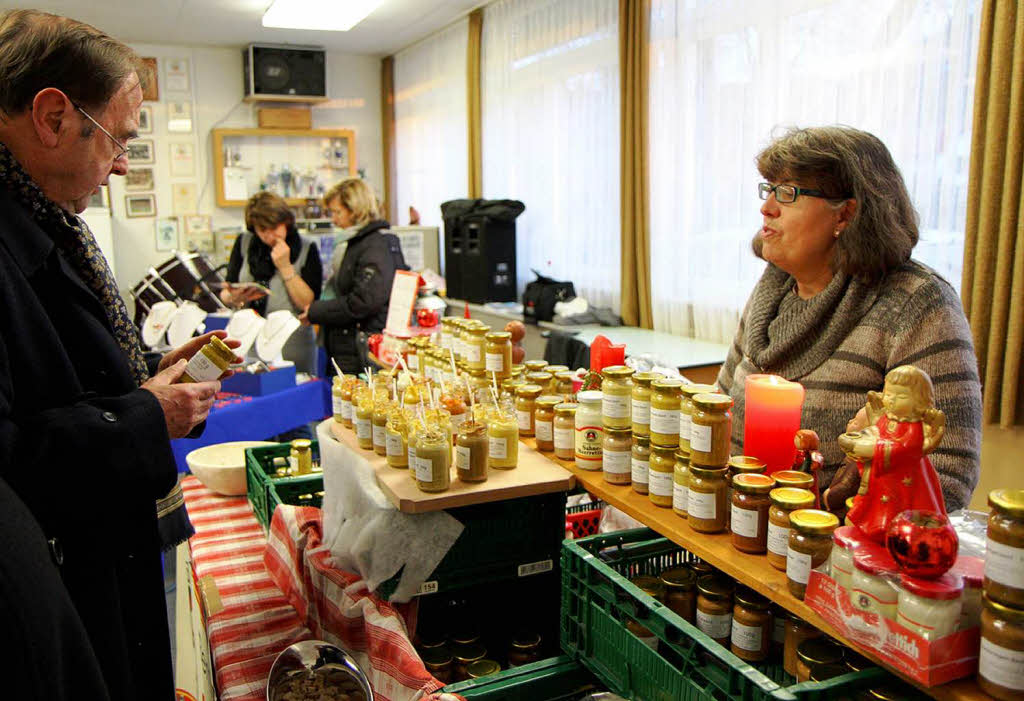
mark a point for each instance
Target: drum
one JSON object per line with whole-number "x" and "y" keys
{"x": 150, "y": 290}
{"x": 190, "y": 275}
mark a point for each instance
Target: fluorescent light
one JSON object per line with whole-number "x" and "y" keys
{"x": 327, "y": 15}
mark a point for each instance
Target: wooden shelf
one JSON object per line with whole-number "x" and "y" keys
{"x": 751, "y": 570}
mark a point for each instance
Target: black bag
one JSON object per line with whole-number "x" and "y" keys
{"x": 540, "y": 296}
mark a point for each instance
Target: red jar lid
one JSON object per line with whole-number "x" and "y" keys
{"x": 972, "y": 569}
{"x": 948, "y": 586}
{"x": 849, "y": 537}
{"x": 874, "y": 559}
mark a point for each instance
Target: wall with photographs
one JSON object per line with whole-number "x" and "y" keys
{"x": 167, "y": 200}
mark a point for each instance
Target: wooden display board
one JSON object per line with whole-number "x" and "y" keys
{"x": 534, "y": 475}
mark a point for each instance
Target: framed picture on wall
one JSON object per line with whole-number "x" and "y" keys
{"x": 140, "y": 205}
{"x": 150, "y": 87}
{"x": 167, "y": 234}
{"x": 100, "y": 198}
{"x": 183, "y": 159}
{"x": 140, "y": 151}
{"x": 179, "y": 117}
{"x": 177, "y": 74}
{"x": 138, "y": 179}
{"x": 146, "y": 119}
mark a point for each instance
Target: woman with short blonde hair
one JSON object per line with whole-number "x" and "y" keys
{"x": 356, "y": 196}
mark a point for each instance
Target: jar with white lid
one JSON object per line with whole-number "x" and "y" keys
{"x": 845, "y": 541}
{"x": 930, "y": 607}
{"x": 870, "y": 590}
{"x": 589, "y": 430}
{"x": 972, "y": 569}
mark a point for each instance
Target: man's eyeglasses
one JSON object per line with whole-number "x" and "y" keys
{"x": 122, "y": 150}
{"x": 786, "y": 194}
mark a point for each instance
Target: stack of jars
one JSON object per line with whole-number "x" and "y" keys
{"x": 710, "y": 440}
{"x": 617, "y": 424}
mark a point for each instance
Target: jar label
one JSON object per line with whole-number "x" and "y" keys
{"x": 462, "y": 457}
{"x": 412, "y": 457}
{"x": 640, "y": 470}
{"x": 778, "y": 540}
{"x": 346, "y": 409}
{"x": 364, "y": 430}
{"x": 414, "y": 361}
{"x": 337, "y": 406}
{"x": 744, "y": 522}
{"x": 779, "y": 630}
{"x": 664, "y": 420}
{"x": 379, "y": 435}
{"x": 495, "y": 362}
{"x": 641, "y": 412}
{"x": 614, "y": 406}
{"x": 201, "y": 369}
{"x": 1001, "y": 666}
{"x": 660, "y": 484}
{"x": 685, "y": 422}
{"x": 473, "y": 354}
{"x": 544, "y": 431}
{"x": 1004, "y": 564}
{"x": 700, "y": 438}
{"x": 393, "y": 444}
{"x": 616, "y": 462}
{"x": 588, "y": 443}
{"x": 564, "y": 438}
{"x": 746, "y": 637}
{"x": 680, "y": 497}
{"x": 523, "y": 419}
{"x": 798, "y": 566}
{"x": 714, "y": 625}
{"x": 702, "y": 506}
{"x": 424, "y": 470}
{"x": 497, "y": 447}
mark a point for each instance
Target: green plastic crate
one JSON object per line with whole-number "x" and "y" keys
{"x": 554, "y": 679}
{"x": 259, "y": 477}
{"x": 288, "y": 492}
{"x": 598, "y": 599}
{"x": 501, "y": 540}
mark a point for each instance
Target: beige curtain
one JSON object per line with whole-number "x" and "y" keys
{"x": 474, "y": 125}
{"x": 633, "y": 186}
{"x": 387, "y": 114}
{"x": 993, "y": 281}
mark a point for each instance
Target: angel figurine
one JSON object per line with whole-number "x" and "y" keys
{"x": 904, "y": 427}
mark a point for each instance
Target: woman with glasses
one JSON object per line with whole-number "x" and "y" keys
{"x": 841, "y": 302}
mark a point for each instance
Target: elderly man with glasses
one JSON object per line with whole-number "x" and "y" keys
{"x": 85, "y": 420}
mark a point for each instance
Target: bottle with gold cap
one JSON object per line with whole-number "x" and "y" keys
{"x": 209, "y": 363}
{"x": 810, "y": 544}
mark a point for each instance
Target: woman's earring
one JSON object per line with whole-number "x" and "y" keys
{"x": 836, "y": 234}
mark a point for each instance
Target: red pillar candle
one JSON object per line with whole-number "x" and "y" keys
{"x": 771, "y": 417}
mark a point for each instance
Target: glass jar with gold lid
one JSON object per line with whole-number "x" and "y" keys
{"x": 1004, "y": 558}
{"x": 661, "y": 475}
{"x": 640, "y": 402}
{"x": 711, "y": 430}
{"x": 714, "y": 607}
{"x": 555, "y": 369}
{"x": 1001, "y": 663}
{"x": 563, "y": 384}
{"x": 640, "y": 463}
{"x": 396, "y": 438}
{"x": 681, "y": 483}
{"x": 539, "y": 377}
{"x": 526, "y": 404}
{"x": 498, "y": 353}
{"x": 707, "y": 504}
{"x": 810, "y": 544}
{"x": 473, "y": 341}
{"x": 739, "y": 465}
{"x": 616, "y": 392}
{"x": 433, "y": 460}
{"x": 752, "y": 627}
{"x": 687, "y": 393}
{"x": 680, "y": 585}
{"x": 565, "y": 431}
{"x": 508, "y": 386}
{"x": 471, "y": 445}
{"x": 502, "y": 440}
{"x": 664, "y": 424}
{"x": 524, "y": 648}
{"x": 793, "y": 478}
{"x": 518, "y": 371}
{"x": 616, "y": 454}
{"x": 749, "y": 507}
{"x": 535, "y": 365}
{"x": 651, "y": 586}
{"x": 544, "y": 422}
{"x": 785, "y": 500}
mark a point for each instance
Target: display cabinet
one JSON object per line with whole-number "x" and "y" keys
{"x": 298, "y": 164}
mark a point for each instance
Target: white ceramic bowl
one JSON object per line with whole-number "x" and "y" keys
{"x": 221, "y": 467}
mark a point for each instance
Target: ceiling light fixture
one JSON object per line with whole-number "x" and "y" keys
{"x": 326, "y": 15}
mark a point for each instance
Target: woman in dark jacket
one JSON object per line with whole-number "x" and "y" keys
{"x": 360, "y": 285}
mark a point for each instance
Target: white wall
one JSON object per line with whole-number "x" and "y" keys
{"x": 216, "y": 94}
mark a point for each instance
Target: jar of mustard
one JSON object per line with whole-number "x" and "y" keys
{"x": 652, "y": 587}
{"x": 616, "y": 454}
{"x": 540, "y": 378}
{"x": 810, "y": 543}
{"x": 661, "y": 475}
{"x": 363, "y": 417}
{"x": 616, "y": 396}
{"x": 438, "y": 662}
{"x": 589, "y": 431}
{"x": 665, "y": 412}
{"x": 714, "y": 607}
{"x": 544, "y": 422}
{"x": 815, "y": 654}
{"x": 640, "y": 463}
{"x": 395, "y": 433}
{"x": 1001, "y": 662}
{"x": 793, "y": 478}
{"x": 535, "y": 365}
{"x": 508, "y": 386}
{"x": 336, "y": 402}
{"x": 502, "y": 440}
{"x": 565, "y": 431}
{"x": 524, "y": 647}
{"x": 1004, "y": 554}
{"x": 464, "y": 656}
{"x": 433, "y": 461}
{"x": 680, "y": 586}
{"x": 379, "y": 422}
{"x": 526, "y": 405}
{"x": 209, "y": 363}
{"x": 785, "y": 500}
{"x": 301, "y": 456}
{"x": 797, "y": 631}
{"x": 640, "y": 402}
{"x": 411, "y": 353}
{"x": 686, "y": 410}
{"x": 751, "y": 626}
{"x": 473, "y": 341}
{"x": 471, "y": 446}
{"x": 711, "y": 430}
{"x": 563, "y": 385}
{"x": 498, "y": 353}
{"x": 347, "y": 386}
{"x": 681, "y": 483}
{"x": 707, "y": 505}
{"x": 750, "y": 505}
{"x": 741, "y": 465}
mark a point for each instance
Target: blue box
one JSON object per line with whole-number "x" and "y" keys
{"x": 260, "y": 384}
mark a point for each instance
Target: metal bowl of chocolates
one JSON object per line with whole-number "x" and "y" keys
{"x": 314, "y": 670}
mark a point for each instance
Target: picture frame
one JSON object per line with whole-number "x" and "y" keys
{"x": 150, "y": 84}
{"x": 184, "y": 198}
{"x": 139, "y": 180}
{"x": 179, "y": 117}
{"x": 140, "y": 151}
{"x": 146, "y": 119}
{"x": 167, "y": 234}
{"x": 136, "y": 206}
{"x": 100, "y": 199}
{"x": 183, "y": 159}
{"x": 177, "y": 70}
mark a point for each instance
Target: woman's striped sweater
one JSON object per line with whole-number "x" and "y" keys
{"x": 840, "y": 343}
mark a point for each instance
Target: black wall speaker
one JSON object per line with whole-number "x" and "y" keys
{"x": 480, "y": 259}
{"x": 277, "y": 72}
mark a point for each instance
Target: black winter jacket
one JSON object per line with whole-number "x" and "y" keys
{"x": 362, "y": 289}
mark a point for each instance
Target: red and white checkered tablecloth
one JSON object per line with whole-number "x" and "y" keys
{"x": 267, "y": 589}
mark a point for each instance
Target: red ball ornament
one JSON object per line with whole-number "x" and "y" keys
{"x": 426, "y": 318}
{"x": 923, "y": 543}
